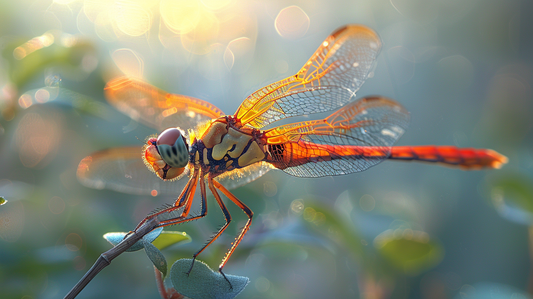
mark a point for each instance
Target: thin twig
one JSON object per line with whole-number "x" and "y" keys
{"x": 105, "y": 258}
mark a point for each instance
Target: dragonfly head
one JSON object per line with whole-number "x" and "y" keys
{"x": 168, "y": 154}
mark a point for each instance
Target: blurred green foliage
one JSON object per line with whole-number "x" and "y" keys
{"x": 409, "y": 251}
{"x": 21, "y": 71}
{"x": 514, "y": 189}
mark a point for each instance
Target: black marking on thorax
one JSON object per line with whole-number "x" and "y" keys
{"x": 219, "y": 166}
{"x": 194, "y": 148}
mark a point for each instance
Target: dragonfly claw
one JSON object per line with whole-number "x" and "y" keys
{"x": 192, "y": 264}
{"x": 230, "y": 286}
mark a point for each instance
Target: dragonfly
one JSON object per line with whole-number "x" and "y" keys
{"x": 199, "y": 145}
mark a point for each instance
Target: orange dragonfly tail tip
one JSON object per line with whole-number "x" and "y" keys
{"x": 464, "y": 158}
{"x": 498, "y": 159}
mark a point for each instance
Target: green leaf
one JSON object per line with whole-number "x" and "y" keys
{"x": 409, "y": 251}
{"x": 203, "y": 282}
{"x": 151, "y": 236}
{"x": 168, "y": 238}
{"x": 156, "y": 257}
{"x": 115, "y": 238}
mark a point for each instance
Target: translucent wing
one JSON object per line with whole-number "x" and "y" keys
{"x": 327, "y": 81}
{"x": 241, "y": 177}
{"x": 354, "y": 138}
{"x": 157, "y": 108}
{"x": 123, "y": 170}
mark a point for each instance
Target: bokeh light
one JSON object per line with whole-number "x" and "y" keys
{"x": 80, "y": 263}
{"x": 367, "y": 203}
{"x": 216, "y": 4}
{"x": 33, "y": 45}
{"x": 403, "y": 68}
{"x": 270, "y": 188}
{"x": 25, "y": 101}
{"x": 181, "y": 16}
{"x": 56, "y": 205}
{"x": 297, "y": 206}
{"x": 37, "y": 137}
{"x": 238, "y": 54}
{"x": 200, "y": 39}
{"x": 73, "y": 241}
{"x": 456, "y": 68}
{"x": 129, "y": 62}
{"x": 292, "y": 22}
{"x": 132, "y": 19}
{"x": 262, "y": 284}
{"x": 42, "y": 95}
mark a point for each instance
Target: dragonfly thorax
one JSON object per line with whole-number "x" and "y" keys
{"x": 225, "y": 146}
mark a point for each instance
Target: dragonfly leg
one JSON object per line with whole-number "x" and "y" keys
{"x": 181, "y": 219}
{"x": 226, "y": 215}
{"x": 185, "y": 199}
{"x": 245, "y": 229}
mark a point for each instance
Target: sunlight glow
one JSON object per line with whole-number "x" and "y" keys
{"x": 216, "y": 4}
{"x": 129, "y": 62}
{"x": 202, "y": 37}
{"x": 184, "y": 27}
{"x": 132, "y": 19}
{"x": 181, "y": 16}
{"x": 64, "y": 2}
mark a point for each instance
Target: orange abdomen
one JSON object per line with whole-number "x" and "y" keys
{"x": 293, "y": 154}
{"x": 465, "y": 158}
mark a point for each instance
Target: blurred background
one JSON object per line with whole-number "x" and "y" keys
{"x": 399, "y": 230}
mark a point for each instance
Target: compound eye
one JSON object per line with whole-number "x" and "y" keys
{"x": 168, "y": 136}
{"x": 172, "y": 148}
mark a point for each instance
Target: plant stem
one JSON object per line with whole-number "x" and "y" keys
{"x": 165, "y": 293}
{"x": 105, "y": 258}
